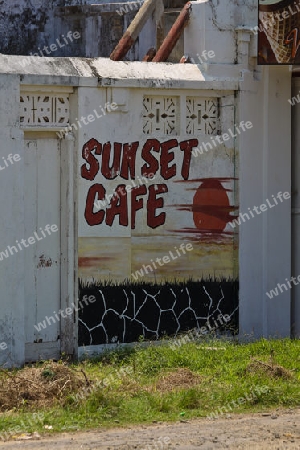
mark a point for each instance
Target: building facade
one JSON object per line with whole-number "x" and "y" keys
{"x": 145, "y": 199}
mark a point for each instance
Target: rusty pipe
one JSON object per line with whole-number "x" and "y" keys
{"x": 149, "y": 55}
{"x": 174, "y": 34}
{"x": 185, "y": 60}
{"x": 133, "y": 31}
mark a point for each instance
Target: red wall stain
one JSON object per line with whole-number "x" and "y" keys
{"x": 44, "y": 261}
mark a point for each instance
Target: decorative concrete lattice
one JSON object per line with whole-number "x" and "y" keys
{"x": 44, "y": 110}
{"x": 202, "y": 115}
{"x": 161, "y": 115}
{"x": 125, "y": 313}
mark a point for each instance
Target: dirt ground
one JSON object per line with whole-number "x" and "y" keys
{"x": 278, "y": 430}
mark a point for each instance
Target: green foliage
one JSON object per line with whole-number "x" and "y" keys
{"x": 48, "y": 373}
{"x": 125, "y": 384}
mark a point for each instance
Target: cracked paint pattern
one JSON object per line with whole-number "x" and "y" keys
{"x": 123, "y": 314}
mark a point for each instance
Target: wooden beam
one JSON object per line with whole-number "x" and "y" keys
{"x": 134, "y": 29}
{"x": 174, "y": 34}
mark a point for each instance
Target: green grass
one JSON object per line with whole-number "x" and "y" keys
{"x": 131, "y": 398}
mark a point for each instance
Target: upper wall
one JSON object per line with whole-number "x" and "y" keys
{"x": 213, "y": 27}
{"x": 100, "y": 24}
{"x": 40, "y": 23}
{"x": 26, "y": 27}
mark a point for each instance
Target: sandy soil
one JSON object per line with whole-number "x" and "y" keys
{"x": 278, "y": 430}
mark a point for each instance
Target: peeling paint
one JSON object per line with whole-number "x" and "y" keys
{"x": 44, "y": 261}
{"x": 27, "y": 27}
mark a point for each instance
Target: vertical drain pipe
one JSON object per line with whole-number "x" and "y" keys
{"x": 133, "y": 31}
{"x": 174, "y": 34}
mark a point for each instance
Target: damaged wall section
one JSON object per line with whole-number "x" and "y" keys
{"x": 28, "y": 26}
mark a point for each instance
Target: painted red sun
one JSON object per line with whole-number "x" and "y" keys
{"x": 211, "y": 207}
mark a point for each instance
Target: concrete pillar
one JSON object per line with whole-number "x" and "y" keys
{"x": 265, "y": 170}
{"x": 295, "y": 320}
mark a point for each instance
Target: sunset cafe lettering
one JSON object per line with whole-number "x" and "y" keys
{"x": 119, "y": 160}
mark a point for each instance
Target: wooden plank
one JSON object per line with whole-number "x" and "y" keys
{"x": 48, "y": 248}
{"x": 68, "y": 325}
{"x": 30, "y": 214}
{"x": 42, "y": 207}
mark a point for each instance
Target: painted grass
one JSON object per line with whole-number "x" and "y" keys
{"x": 128, "y": 283}
{"x": 157, "y": 383}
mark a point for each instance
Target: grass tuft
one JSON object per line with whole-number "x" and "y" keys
{"x": 141, "y": 384}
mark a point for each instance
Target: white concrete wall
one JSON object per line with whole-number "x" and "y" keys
{"x": 41, "y": 23}
{"x": 264, "y": 159}
{"x": 213, "y": 25}
{"x": 79, "y": 73}
{"x": 296, "y": 208}
{"x": 264, "y": 152}
{"x": 12, "y": 269}
{"x": 265, "y": 169}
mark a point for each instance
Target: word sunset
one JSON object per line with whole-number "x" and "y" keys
{"x": 166, "y": 159}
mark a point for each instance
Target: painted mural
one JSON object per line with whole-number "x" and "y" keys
{"x": 155, "y": 248}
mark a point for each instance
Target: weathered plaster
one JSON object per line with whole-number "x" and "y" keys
{"x": 12, "y": 271}
{"x": 29, "y": 25}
